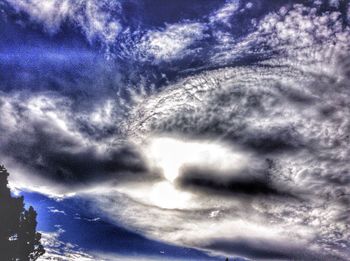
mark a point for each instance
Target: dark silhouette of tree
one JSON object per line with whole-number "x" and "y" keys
{"x": 18, "y": 237}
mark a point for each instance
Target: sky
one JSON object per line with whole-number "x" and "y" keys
{"x": 179, "y": 130}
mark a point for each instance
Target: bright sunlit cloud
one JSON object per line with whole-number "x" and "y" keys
{"x": 165, "y": 195}
{"x": 170, "y": 155}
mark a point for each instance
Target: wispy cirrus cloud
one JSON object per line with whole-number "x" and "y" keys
{"x": 56, "y": 211}
{"x": 224, "y": 13}
{"x": 57, "y": 249}
{"x": 98, "y": 20}
{"x": 172, "y": 42}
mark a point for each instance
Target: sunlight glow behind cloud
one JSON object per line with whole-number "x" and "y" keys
{"x": 171, "y": 154}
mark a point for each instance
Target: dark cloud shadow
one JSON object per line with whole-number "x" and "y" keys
{"x": 239, "y": 184}
{"x": 60, "y": 157}
{"x": 264, "y": 249}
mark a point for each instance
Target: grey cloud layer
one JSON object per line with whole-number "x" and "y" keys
{"x": 44, "y": 135}
{"x": 291, "y": 111}
{"x": 281, "y": 115}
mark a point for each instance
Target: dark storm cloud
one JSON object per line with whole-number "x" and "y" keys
{"x": 239, "y": 184}
{"x": 45, "y": 136}
{"x": 58, "y": 161}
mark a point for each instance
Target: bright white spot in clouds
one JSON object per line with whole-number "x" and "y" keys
{"x": 170, "y": 154}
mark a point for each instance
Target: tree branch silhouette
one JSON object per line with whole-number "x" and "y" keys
{"x": 18, "y": 237}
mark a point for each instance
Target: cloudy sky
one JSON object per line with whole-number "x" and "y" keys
{"x": 180, "y": 130}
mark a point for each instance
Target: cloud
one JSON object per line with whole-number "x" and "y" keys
{"x": 56, "y": 211}
{"x": 98, "y": 20}
{"x": 184, "y": 153}
{"x": 246, "y": 184}
{"x": 297, "y": 31}
{"x": 112, "y": 257}
{"x": 263, "y": 250}
{"x": 57, "y": 249}
{"x": 224, "y": 13}
{"x": 46, "y": 139}
{"x": 196, "y": 227}
{"x": 291, "y": 114}
{"x": 172, "y": 42}
{"x": 273, "y": 133}
{"x": 92, "y": 219}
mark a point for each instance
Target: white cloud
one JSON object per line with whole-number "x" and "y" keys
{"x": 59, "y": 250}
{"x": 214, "y": 213}
{"x": 94, "y": 18}
{"x": 56, "y": 211}
{"x": 92, "y": 219}
{"x": 248, "y": 103}
{"x": 242, "y": 104}
{"x": 171, "y": 42}
{"x": 298, "y": 33}
{"x": 115, "y": 257}
{"x": 225, "y": 13}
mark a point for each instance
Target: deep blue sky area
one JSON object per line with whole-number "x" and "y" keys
{"x": 92, "y": 232}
